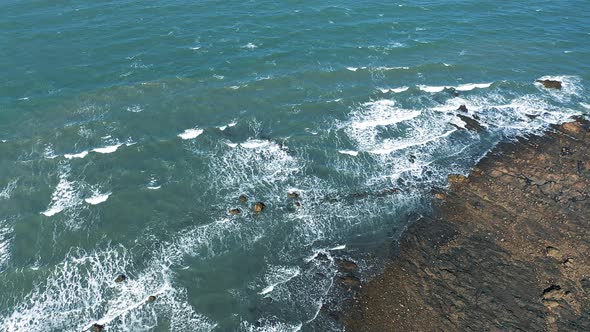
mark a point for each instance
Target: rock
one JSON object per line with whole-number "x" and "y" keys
{"x": 259, "y": 206}
{"x": 550, "y": 84}
{"x": 151, "y": 298}
{"x": 322, "y": 257}
{"x": 120, "y": 278}
{"x": 97, "y": 327}
{"x": 565, "y": 151}
{"x": 293, "y": 195}
{"x": 462, "y": 108}
{"x": 440, "y": 196}
{"x": 297, "y": 204}
{"x": 471, "y": 124}
{"x": 346, "y": 265}
{"x": 233, "y": 212}
{"x": 243, "y": 198}
{"x": 349, "y": 282}
{"x": 573, "y": 128}
{"x": 552, "y": 252}
{"x": 568, "y": 262}
{"x": 457, "y": 179}
{"x": 412, "y": 158}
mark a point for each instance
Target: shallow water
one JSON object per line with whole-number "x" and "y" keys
{"x": 128, "y": 130}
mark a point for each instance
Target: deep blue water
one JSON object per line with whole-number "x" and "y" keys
{"x": 128, "y": 130}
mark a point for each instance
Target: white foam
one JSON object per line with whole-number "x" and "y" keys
{"x": 278, "y": 275}
{"x": 570, "y": 86}
{"x": 76, "y": 155}
{"x": 5, "y": 240}
{"x": 585, "y": 105}
{"x": 340, "y": 247}
{"x": 383, "y": 113}
{"x": 393, "y": 145}
{"x": 255, "y": 144}
{"x": 134, "y": 109}
{"x": 349, "y": 152}
{"x": 97, "y": 198}
{"x": 431, "y": 89}
{"x": 355, "y": 68}
{"x": 250, "y": 46}
{"x": 7, "y": 191}
{"x": 64, "y": 196}
{"x": 194, "y": 48}
{"x": 49, "y": 153}
{"x": 190, "y": 133}
{"x": 108, "y": 149}
{"x": 471, "y": 86}
{"x": 395, "y": 90}
{"x": 232, "y": 124}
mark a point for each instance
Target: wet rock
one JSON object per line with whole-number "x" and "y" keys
{"x": 552, "y": 252}
{"x": 457, "y": 179}
{"x": 234, "y": 212}
{"x": 470, "y": 123}
{"x": 550, "y": 84}
{"x": 297, "y": 204}
{"x": 293, "y": 195}
{"x": 322, "y": 257}
{"x": 259, "y": 206}
{"x": 346, "y": 265}
{"x": 463, "y": 108}
{"x": 243, "y": 198}
{"x": 440, "y": 196}
{"x": 151, "y": 298}
{"x": 97, "y": 327}
{"x": 349, "y": 282}
{"x": 120, "y": 278}
{"x": 412, "y": 158}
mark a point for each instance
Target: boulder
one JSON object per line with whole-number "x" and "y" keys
{"x": 97, "y": 327}
{"x": 243, "y": 198}
{"x": 151, "y": 298}
{"x": 259, "y": 206}
{"x": 293, "y": 195}
{"x": 550, "y": 84}
{"x": 462, "y": 108}
{"x": 120, "y": 278}
{"x": 233, "y": 212}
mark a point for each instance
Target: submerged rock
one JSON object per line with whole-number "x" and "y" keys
{"x": 151, "y": 298}
{"x": 120, "y": 278}
{"x": 346, "y": 265}
{"x": 293, "y": 195}
{"x": 470, "y": 123}
{"x": 243, "y": 198}
{"x": 233, "y": 212}
{"x": 259, "y": 206}
{"x": 550, "y": 84}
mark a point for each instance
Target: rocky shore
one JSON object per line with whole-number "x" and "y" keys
{"x": 507, "y": 248}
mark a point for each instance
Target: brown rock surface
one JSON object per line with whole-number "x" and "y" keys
{"x": 507, "y": 250}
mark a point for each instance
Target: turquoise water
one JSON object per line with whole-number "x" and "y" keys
{"x": 129, "y": 129}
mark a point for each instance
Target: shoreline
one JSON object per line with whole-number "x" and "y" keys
{"x": 507, "y": 248}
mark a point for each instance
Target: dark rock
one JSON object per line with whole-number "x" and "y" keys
{"x": 346, "y": 265}
{"x": 462, "y": 108}
{"x": 120, "y": 278}
{"x": 349, "y": 282}
{"x": 243, "y": 198}
{"x": 565, "y": 151}
{"x": 233, "y": 212}
{"x": 322, "y": 257}
{"x": 97, "y": 327}
{"x": 412, "y": 158}
{"x": 483, "y": 269}
{"x": 297, "y": 204}
{"x": 259, "y": 206}
{"x": 470, "y": 123}
{"x": 151, "y": 298}
{"x": 293, "y": 195}
{"x": 550, "y": 84}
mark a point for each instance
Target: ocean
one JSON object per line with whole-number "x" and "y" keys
{"x": 129, "y": 130}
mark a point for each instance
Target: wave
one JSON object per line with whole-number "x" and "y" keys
{"x": 97, "y": 198}
{"x": 190, "y": 133}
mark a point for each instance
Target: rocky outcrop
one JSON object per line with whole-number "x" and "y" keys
{"x": 550, "y": 84}
{"x": 507, "y": 248}
{"x": 259, "y": 207}
{"x": 120, "y": 278}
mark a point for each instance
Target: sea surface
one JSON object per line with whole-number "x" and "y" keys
{"x": 128, "y": 130}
